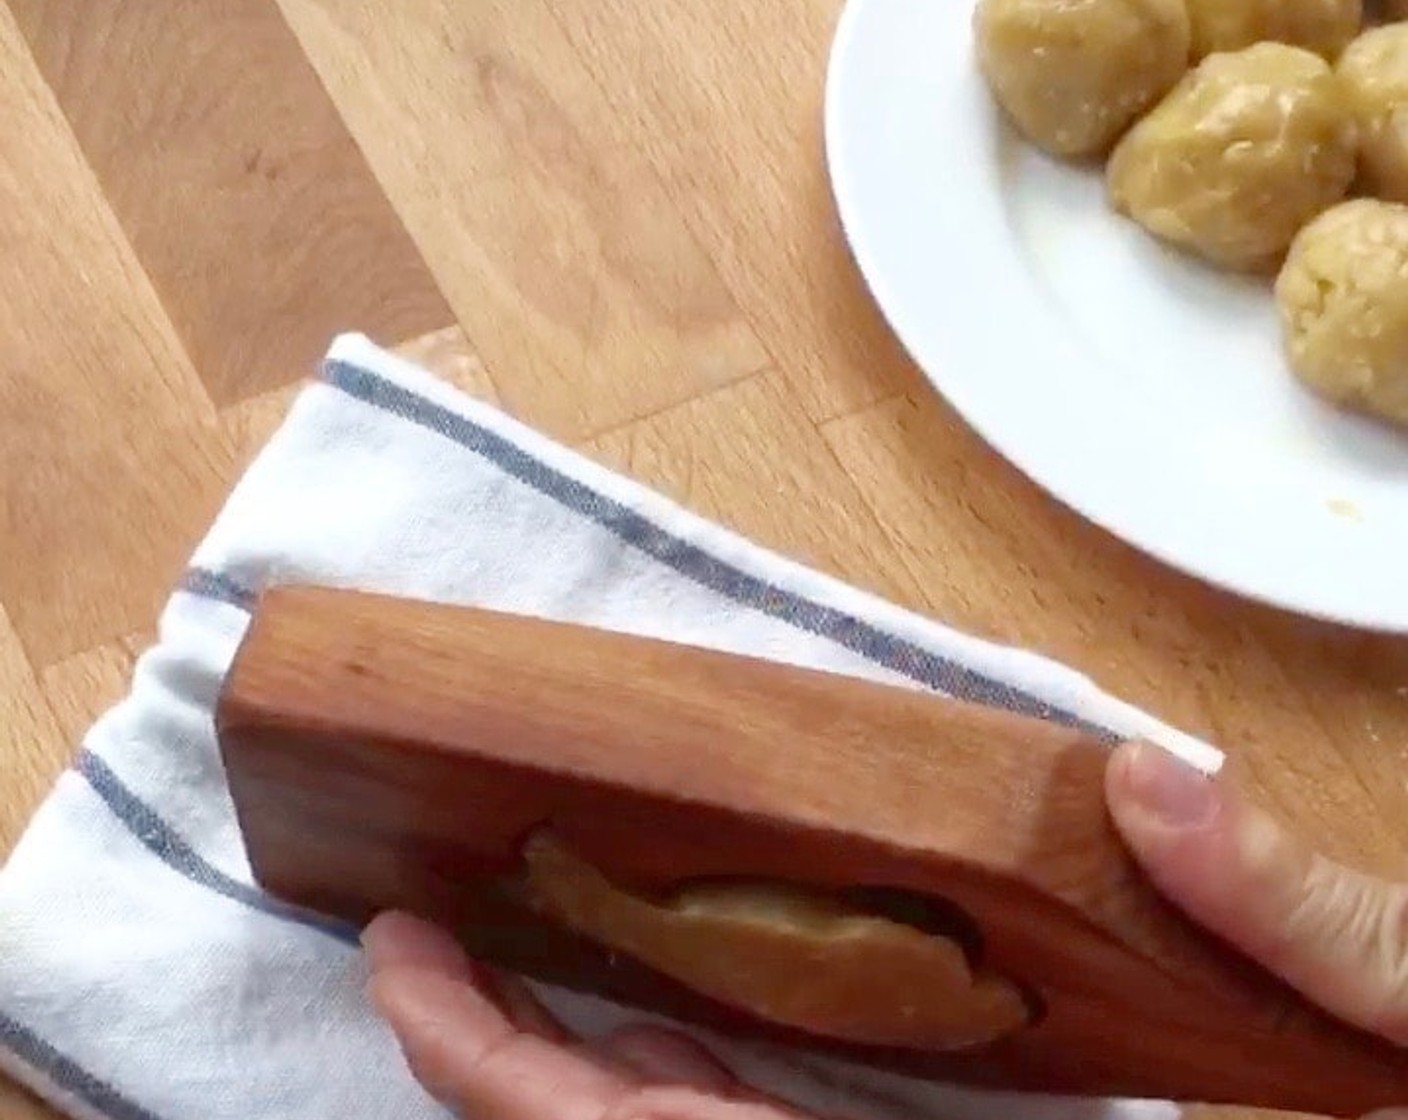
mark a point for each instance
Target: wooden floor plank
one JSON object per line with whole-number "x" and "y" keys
{"x": 563, "y": 255}
{"x": 247, "y": 426}
{"x": 85, "y": 336}
{"x": 32, "y": 743}
{"x": 247, "y": 200}
{"x": 82, "y": 687}
{"x": 453, "y": 359}
{"x": 729, "y": 109}
{"x": 105, "y": 531}
{"x": 89, "y": 354}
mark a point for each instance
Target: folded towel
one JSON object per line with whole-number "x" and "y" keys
{"x": 143, "y": 975}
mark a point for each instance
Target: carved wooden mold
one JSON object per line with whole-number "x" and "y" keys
{"x": 872, "y": 872}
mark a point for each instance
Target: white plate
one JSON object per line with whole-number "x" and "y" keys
{"x": 1145, "y": 391}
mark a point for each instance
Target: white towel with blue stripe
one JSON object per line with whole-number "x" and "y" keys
{"x": 142, "y": 974}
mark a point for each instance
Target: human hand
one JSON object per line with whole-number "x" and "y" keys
{"x": 485, "y": 1047}
{"x": 1338, "y": 936}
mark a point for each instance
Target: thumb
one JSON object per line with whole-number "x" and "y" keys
{"x": 1338, "y": 936}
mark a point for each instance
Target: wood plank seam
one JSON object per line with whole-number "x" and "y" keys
{"x": 646, "y": 417}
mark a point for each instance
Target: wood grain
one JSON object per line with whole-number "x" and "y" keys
{"x": 355, "y": 729}
{"x": 67, "y": 391}
{"x": 512, "y": 168}
{"x": 732, "y": 123}
{"x": 31, "y": 740}
{"x": 103, "y": 579}
{"x": 237, "y": 183}
{"x": 67, "y": 262}
{"x": 634, "y": 241}
{"x": 81, "y": 688}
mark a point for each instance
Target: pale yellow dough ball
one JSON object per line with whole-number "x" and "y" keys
{"x": 1322, "y": 26}
{"x": 1245, "y": 150}
{"x": 1343, "y": 300}
{"x": 1072, "y": 75}
{"x": 1374, "y": 73}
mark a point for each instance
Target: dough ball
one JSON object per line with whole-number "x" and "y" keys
{"x": 1245, "y": 150}
{"x": 1322, "y": 26}
{"x": 1343, "y": 301}
{"x": 1373, "y": 72}
{"x": 1074, "y": 74}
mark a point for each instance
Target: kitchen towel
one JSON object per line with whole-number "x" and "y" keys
{"x": 144, "y": 977}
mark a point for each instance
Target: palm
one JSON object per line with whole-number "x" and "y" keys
{"x": 484, "y": 1047}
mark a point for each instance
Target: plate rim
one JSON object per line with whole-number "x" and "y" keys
{"x": 850, "y": 215}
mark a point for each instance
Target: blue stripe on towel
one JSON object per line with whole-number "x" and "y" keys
{"x": 213, "y": 585}
{"x": 68, "y": 1074}
{"x": 143, "y": 822}
{"x": 891, "y": 651}
{"x": 176, "y": 852}
{"x": 860, "y": 637}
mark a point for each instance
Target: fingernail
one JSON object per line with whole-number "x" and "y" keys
{"x": 1166, "y": 788}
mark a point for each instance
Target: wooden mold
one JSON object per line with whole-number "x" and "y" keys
{"x": 871, "y": 872}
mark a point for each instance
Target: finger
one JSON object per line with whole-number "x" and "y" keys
{"x": 398, "y": 940}
{"x": 522, "y": 1007}
{"x": 666, "y": 1057}
{"x": 1338, "y": 936}
{"x": 467, "y": 1053}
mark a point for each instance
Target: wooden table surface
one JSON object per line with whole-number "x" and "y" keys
{"x": 621, "y": 209}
